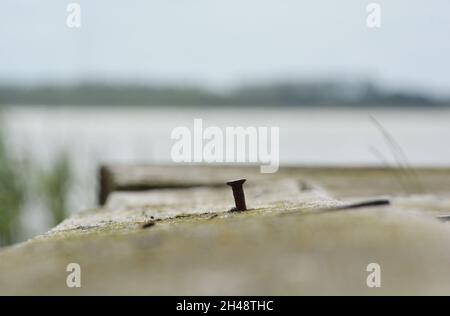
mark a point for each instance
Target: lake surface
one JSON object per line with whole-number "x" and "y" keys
{"x": 321, "y": 136}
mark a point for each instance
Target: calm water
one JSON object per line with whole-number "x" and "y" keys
{"x": 307, "y": 136}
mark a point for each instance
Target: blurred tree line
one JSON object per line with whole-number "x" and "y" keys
{"x": 288, "y": 93}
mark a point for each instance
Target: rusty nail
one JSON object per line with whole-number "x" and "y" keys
{"x": 238, "y": 193}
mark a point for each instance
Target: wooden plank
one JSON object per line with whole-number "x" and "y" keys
{"x": 340, "y": 181}
{"x": 167, "y": 230}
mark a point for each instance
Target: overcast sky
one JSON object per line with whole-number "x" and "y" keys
{"x": 226, "y": 42}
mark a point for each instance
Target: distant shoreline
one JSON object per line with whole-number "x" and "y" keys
{"x": 278, "y": 94}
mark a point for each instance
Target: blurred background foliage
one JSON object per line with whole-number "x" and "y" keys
{"x": 20, "y": 179}
{"x": 12, "y": 194}
{"x": 279, "y": 93}
{"x": 54, "y": 186}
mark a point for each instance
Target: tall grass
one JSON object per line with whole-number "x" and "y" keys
{"x": 24, "y": 182}
{"x": 406, "y": 174}
{"x": 12, "y": 195}
{"x": 55, "y": 186}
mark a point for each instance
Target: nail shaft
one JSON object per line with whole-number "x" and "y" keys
{"x": 238, "y": 194}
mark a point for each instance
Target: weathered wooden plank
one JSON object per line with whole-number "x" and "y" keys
{"x": 340, "y": 181}
{"x": 169, "y": 231}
